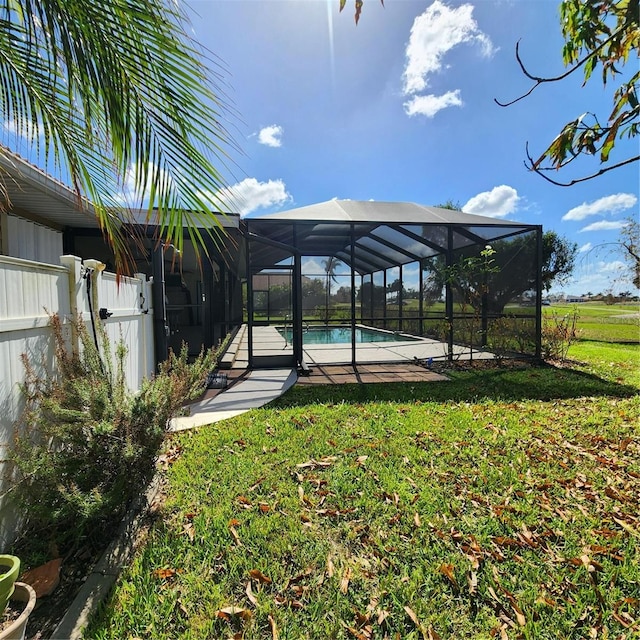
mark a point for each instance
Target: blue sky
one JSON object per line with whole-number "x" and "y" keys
{"x": 401, "y": 107}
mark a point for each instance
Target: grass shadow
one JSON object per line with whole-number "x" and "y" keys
{"x": 543, "y": 382}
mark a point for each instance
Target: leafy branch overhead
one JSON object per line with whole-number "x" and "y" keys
{"x": 114, "y": 92}
{"x": 358, "y": 6}
{"x": 599, "y": 34}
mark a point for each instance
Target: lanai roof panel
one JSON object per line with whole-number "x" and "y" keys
{"x": 385, "y": 212}
{"x": 386, "y": 234}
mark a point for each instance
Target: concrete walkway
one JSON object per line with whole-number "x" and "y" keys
{"x": 259, "y": 388}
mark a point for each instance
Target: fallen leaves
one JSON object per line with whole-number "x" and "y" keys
{"x": 234, "y": 533}
{"x": 227, "y": 613}
{"x": 447, "y": 570}
{"x": 250, "y": 595}
{"x": 260, "y": 577}
{"x": 346, "y": 577}
{"x": 164, "y": 573}
{"x": 274, "y": 629}
{"x": 624, "y": 617}
{"x": 323, "y": 463}
{"x": 427, "y": 634}
{"x": 525, "y": 533}
{"x": 171, "y": 455}
{"x": 188, "y": 528}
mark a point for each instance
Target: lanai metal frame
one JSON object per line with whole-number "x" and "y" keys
{"x": 371, "y": 237}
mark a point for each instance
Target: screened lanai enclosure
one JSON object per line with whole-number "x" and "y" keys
{"x": 354, "y": 282}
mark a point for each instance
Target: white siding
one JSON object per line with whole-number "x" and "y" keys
{"x": 31, "y": 241}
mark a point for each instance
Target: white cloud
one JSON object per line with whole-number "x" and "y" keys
{"x": 250, "y": 195}
{"x": 312, "y": 267}
{"x": 585, "y": 247}
{"x": 433, "y": 34}
{"x": 497, "y": 203}
{"x": 271, "y": 136}
{"x": 604, "y": 225}
{"x": 27, "y": 130}
{"x": 132, "y": 196}
{"x": 598, "y": 277}
{"x": 609, "y": 204}
{"x": 429, "y": 105}
{"x": 614, "y": 266}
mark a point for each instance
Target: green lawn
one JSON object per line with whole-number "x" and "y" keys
{"x": 603, "y": 323}
{"x": 500, "y": 504}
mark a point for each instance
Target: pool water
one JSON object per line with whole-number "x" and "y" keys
{"x": 342, "y": 335}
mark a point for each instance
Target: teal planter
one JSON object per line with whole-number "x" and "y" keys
{"x": 9, "y": 570}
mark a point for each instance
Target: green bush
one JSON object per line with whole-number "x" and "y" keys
{"x": 86, "y": 445}
{"x": 508, "y": 335}
{"x": 558, "y": 334}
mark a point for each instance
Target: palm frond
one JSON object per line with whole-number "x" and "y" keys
{"x": 113, "y": 85}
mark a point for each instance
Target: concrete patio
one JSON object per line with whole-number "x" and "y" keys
{"x": 267, "y": 341}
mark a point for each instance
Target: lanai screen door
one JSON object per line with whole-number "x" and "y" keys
{"x": 270, "y": 321}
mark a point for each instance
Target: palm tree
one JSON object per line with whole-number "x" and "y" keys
{"x": 330, "y": 265}
{"x": 114, "y": 91}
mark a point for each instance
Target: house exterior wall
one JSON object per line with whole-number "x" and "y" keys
{"x": 32, "y": 241}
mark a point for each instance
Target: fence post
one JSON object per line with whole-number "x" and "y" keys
{"x": 74, "y": 268}
{"x": 146, "y": 324}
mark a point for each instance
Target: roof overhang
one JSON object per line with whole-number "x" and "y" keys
{"x": 33, "y": 193}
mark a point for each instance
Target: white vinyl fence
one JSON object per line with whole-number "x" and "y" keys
{"x": 29, "y": 292}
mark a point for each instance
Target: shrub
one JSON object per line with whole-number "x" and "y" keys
{"x": 558, "y": 334}
{"x": 86, "y": 444}
{"x": 509, "y": 334}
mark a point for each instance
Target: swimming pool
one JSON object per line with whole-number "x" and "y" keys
{"x": 342, "y": 335}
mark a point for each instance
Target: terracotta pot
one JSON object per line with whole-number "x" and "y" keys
{"x": 9, "y": 569}
{"x": 25, "y": 596}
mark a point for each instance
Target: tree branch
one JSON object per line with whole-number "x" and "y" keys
{"x": 540, "y": 80}
{"x": 531, "y": 167}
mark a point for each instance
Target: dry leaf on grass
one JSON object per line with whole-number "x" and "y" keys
{"x": 383, "y": 614}
{"x": 226, "y": 613}
{"x": 256, "y": 574}
{"x": 327, "y": 461}
{"x": 358, "y": 634}
{"x": 256, "y": 484}
{"x": 189, "y": 530}
{"x": 472, "y": 581}
{"x": 235, "y": 536}
{"x": 330, "y": 567}
{"x": 344, "y": 583}
{"x": 414, "y": 618}
{"x": 447, "y": 571}
{"x": 249, "y": 591}
{"x": 164, "y": 574}
{"x": 274, "y": 629}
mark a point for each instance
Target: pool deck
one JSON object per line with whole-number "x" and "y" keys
{"x": 268, "y": 342}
